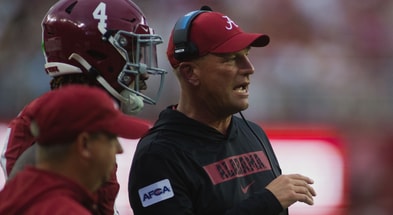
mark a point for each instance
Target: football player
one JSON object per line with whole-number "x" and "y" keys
{"x": 105, "y": 43}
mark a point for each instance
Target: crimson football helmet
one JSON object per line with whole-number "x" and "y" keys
{"x": 109, "y": 39}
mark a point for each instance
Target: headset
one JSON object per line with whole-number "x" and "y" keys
{"x": 185, "y": 49}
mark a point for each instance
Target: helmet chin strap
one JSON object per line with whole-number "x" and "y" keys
{"x": 130, "y": 103}
{"x": 134, "y": 103}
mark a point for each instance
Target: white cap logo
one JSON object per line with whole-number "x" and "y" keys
{"x": 230, "y": 22}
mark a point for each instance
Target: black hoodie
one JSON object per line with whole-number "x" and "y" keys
{"x": 185, "y": 167}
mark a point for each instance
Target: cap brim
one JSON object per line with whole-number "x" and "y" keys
{"x": 128, "y": 127}
{"x": 241, "y": 41}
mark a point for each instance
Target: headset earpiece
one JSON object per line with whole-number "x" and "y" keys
{"x": 185, "y": 49}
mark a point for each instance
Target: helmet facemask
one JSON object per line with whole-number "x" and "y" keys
{"x": 140, "y": 55}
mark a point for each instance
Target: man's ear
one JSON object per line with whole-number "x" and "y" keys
{"x": 189, "y": 72}
{"x": 83, "y": 145}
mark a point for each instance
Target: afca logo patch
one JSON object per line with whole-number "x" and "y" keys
{"x": 156, "y": 192}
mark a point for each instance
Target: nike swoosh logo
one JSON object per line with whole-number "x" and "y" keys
{"x": 245, "y": 189}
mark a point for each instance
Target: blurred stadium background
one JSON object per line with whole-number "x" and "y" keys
{"x": 329, "y": 64}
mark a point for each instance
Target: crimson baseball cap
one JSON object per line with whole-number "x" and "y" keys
{"x": 214, "y": 32}
{"x": 62, "y": 114}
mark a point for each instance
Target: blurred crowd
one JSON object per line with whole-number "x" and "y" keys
{"x": 329, "y": 62}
